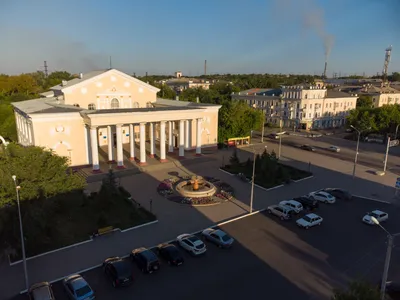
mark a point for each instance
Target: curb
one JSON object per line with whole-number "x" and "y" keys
{"x": 270, "y": 189}
{"x": 231, "y": 174}
{"x": 78, "y": 244}
{"x": 299, "y": 180}
{"x": 372, "y": 199}
{"x": 170, "y": 241}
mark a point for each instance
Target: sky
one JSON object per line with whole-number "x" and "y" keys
{"x": 234, "y": 36}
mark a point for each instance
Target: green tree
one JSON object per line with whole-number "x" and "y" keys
{"x": 40, "y": 173}
{"x": 234, "y": 159}
{"x": 165, "y": 91}
{"x": 364, "y": 101}
{"x": 357, "y": 290}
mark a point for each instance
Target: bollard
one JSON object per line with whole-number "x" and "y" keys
{"x": 309, "y": 166}
{"x": 151, "y": 205}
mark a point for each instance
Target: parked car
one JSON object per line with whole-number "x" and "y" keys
{"x": 307, "y": 148}
{"x": 41, "y": 291}
{"x": 296, "y": 206}
{"x": 309, "y": 220}
{"x": 171, "y": 254}
{"x": 392, "y": 289}
{"x": 218, "y": 237}
{"x": 339, "y": 193}
{"x": 282, "y": 212}
{"x": 307, "y": 202}
{"x": 377, "y": 214}
{"x": 322, "y": 197}
{"x": 334, "y": 148}
{"x": 119, "y": 271}
{"x": 191, "y": 243}
{"x": 77, "y": 288}
{"x": 146, "y": 260}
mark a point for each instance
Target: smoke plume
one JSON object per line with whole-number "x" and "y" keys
{"x": 312, "y": 18}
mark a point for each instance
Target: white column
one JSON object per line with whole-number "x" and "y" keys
{"x": 173, "y": 136}
{"x": 142, "y": 143}
{"x": 110, "y": 144}
{"x": 170, "y": 137}
{"x": 198, "y": 137}
{"x": 162, "y": 142}
{"x": 120, "y": 153}
{"x": 94, "y": 148}
{"x": 152, "y": 140}
{"x": 132, "y": 141}
{"x": 181, "y": 138}
{"x": 29, "y": 128}
{"x": 187, "y": 134}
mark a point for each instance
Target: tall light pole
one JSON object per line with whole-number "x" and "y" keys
{"x": 252, "y": 179}
{"x": 388, "y": 257}
{"x": 17, "y": 187}
{"x": 358, "y": 144}
{"x": 395, "y": 134}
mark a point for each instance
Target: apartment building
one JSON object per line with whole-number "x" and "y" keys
{"x": 304, "y": 106}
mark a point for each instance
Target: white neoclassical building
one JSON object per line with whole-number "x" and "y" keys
{"x": 110, "y": 116}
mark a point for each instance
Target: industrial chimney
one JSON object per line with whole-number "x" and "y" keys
{"x": 205, "y": 68}
{"x": 326, "y": 65}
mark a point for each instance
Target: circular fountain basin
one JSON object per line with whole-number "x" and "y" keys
{"x": 187, "y": 188}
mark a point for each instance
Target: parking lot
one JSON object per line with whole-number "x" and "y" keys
{"x": 272, "y": 258}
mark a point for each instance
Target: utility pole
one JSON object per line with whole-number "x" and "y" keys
{"x": 387, "y": 154}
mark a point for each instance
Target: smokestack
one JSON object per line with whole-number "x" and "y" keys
{"x": 205, "y": 67}
{"x": 146, "y": 74}
{"x": 326, "y": 65}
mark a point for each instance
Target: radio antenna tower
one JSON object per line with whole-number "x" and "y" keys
{"x": 46, "y": 71}
{"x": 388, "y": 53}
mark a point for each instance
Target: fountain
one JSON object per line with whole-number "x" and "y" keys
{"x": 196, "y": 187}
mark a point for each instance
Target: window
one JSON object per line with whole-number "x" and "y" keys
{"x": 305, "y": 96}
{"x": 309, "y": 115}
{"x": 76, "y": 105}
{"x": 114, "y": 103}
{"x": 92, "y": 106}
{"x": 310, "y": 105}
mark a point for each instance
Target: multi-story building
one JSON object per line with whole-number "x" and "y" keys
{"x": 304, "y": 106}
{"x": 381, "y": 95}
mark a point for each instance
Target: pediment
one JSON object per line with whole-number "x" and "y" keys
{"x": 114, "y": 91}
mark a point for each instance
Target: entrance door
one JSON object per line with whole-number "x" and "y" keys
{"x": 115, "y": 140}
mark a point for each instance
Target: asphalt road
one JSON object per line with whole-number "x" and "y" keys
{"x": 271, "y": 259}
{"x": 370, "y": 155}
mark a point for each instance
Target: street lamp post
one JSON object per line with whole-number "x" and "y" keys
{"x": 358, "y": 144}
{"x": 395, "y": 134}
{"x": 17, "y": 187}
{"x": 387, "y": 259}
{"x": 252, "y": 180}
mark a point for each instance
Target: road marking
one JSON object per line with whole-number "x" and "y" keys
{"x": 372, "y": 199}
{"x": 263, "y": 188}
{"x": 170, "y": 241}
{"x": 139, "y": 226}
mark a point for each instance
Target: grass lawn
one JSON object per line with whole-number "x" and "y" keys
{"x": 67, "y": 219}
{"x": 282, "y": 174}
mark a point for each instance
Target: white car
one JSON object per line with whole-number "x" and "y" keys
{"x": 309, "y": 220}
{"x": 378, "y": 214}
{"x": 296, "y": 206}
{"x": 334, "y": 149}
{"x": 322, "y": 197}
{"x": 191, "y": 243}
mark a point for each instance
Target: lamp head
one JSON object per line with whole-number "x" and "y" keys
{"x": 373, "y": 219}
{"x": 14, "y": 177}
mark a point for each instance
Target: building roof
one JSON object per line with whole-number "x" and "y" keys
{"x": 167, "y": 102}
{"x": 44, "y": 105}
{"x": 74, "y": 81}
{"x": 338, "y": 94}
{"x": 144, "y": 109}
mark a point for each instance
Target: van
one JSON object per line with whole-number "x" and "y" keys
{"x": 41, "y": 291}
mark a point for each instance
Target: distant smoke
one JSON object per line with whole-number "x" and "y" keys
{"x": 312, "y": 18}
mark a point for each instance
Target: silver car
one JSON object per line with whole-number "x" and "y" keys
{"x": 218, "y": 237}
{"x": 77, "y": 288}
{"x": 283, "y": 212}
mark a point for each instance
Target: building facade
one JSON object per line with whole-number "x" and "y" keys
{"x": 304, "y": 106}
{"x": 116, "y": 115}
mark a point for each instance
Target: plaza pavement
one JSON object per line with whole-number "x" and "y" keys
{"x": 176, "y": 218}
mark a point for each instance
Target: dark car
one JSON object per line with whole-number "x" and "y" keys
{"x": 171, "y": 254}
{"x": 307, "y": 202}
{"x": 119, "y": 271}
{"x": 307, "y": 148}
{"x": 146, "y": 260}
{"x": 339, "y": 193}
{"x": 41, "y": 291}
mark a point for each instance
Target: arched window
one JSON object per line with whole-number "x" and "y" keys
{"x": 114, "y": 103}
{"x": 92, "y": 106}
{"x": 136, "y": 105}
{"x": 76, "y": 105}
